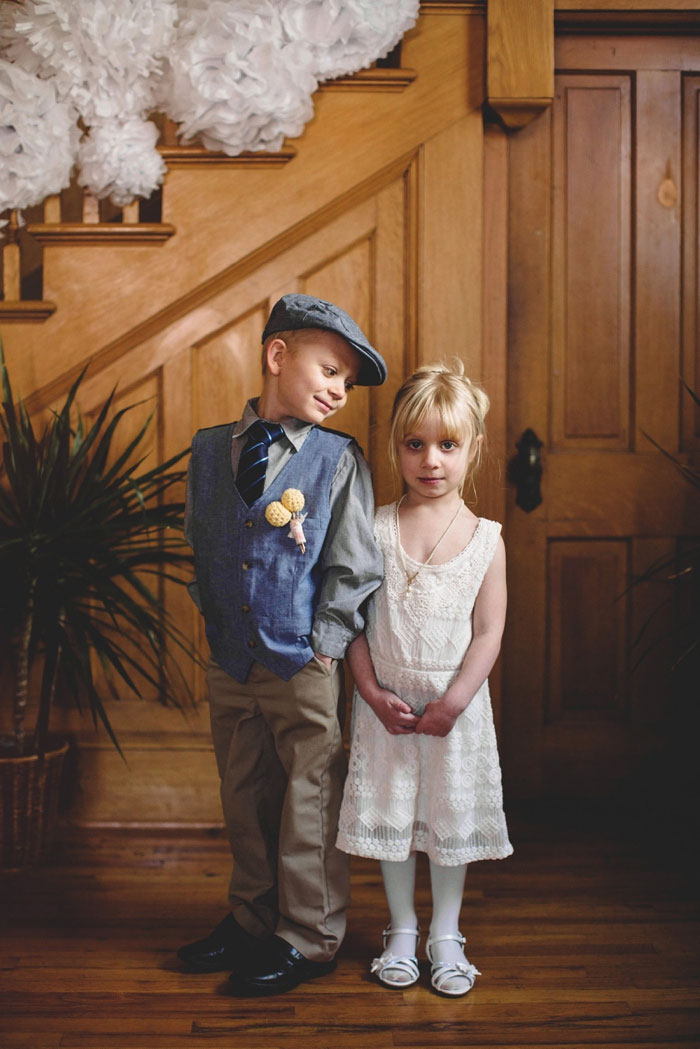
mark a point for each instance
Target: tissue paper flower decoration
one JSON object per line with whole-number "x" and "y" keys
{"x": 347, "y": 35}
{"x": 236, "y": 74}
{"x": 236, "y": 80}
{"x": 105, "y": 58}
{"x": 103, "y": 55}
{"x": 38, "y": 139}
{"x": 120, "y": 160}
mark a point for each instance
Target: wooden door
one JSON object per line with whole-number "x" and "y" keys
{"x": 602, "y": 324}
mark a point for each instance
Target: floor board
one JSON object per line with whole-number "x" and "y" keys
{"x": 585, "y": 938}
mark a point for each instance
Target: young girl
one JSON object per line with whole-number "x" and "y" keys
{"x": 424, "y": 772}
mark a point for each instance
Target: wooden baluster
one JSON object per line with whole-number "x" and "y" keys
{"x": 130, "y": 212}
{"x": 11, "y": 265}
{"x": 91, "y": 209}
{"x": 168, "y": 132}
{"x": 52, "y": 209}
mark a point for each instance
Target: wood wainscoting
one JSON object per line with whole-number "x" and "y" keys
{"x": 379, "y": 206}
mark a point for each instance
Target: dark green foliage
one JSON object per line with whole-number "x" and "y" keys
{"x": 679, "y": 576}
{"x": 85, "y": 543}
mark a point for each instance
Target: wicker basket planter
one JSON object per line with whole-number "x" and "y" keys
{"x": 29, "y": 790}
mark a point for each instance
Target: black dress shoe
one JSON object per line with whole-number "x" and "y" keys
{"x": 221, "y": 949}
{"x": 287, "y": 968}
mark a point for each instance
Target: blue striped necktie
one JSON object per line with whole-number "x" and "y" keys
{"x": 252, "y": 466}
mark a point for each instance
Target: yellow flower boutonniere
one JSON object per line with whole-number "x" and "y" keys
{"x": 288, "y": 511}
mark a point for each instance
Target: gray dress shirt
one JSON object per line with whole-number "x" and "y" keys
{"x": 351, "y": 561}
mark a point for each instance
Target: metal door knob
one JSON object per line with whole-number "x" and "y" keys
{"x": 525, "y": 471}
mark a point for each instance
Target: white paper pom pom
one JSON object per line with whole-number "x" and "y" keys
{"x": 105, "y": 57}
{"x": 347, "y": 35}
{"x": 119, "y": 160}
{"x": 38, "y": 139}
{"x": 237, "y": 74}
{"x": 235, "y": 81}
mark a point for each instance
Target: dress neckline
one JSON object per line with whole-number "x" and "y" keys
{"x": 428, "y": 567}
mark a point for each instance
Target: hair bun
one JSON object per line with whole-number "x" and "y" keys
{"x": 451, "y": 366}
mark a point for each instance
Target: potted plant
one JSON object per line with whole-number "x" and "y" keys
{"x": 678, "y": 575}
{"x": 86, "y": 537}
{"x": 669, "y": 783}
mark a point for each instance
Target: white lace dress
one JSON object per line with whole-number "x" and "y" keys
{"x": 441, "y": 796}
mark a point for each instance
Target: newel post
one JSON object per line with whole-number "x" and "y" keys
{"x": 519, "y": 59}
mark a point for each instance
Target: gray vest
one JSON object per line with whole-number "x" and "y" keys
{"x": 258, "y": 591}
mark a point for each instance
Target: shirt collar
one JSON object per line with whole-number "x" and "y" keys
{"x": 295, "y": 430}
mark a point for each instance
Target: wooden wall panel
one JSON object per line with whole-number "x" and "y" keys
{"x": 165, "y": 781}
{"x": 348, "y": 279}
{"x": 691, "y": 254}
{"x": 226, "y": 368}
{"x": 658, "y": 251}
{"x": 396, "y": 311}
{"x": 652, "y": 610}
{"x": 450, "y": 290}
{"x": 592, "y": 281}
{"x": 587, "y": 651}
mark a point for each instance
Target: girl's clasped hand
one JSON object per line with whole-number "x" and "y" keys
{"x": 397, "y": 716}
{"x": 394, "y": 713}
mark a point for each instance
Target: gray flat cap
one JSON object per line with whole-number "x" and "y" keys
{"x": 295, "y": 311}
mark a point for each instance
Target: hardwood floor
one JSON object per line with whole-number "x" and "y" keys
{"x": 584, "y": 938}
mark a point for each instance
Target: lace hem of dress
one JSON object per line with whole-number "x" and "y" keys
{"x": 386, "y": 843}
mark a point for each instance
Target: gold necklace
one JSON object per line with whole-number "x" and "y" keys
{"x": 410, "y": 578}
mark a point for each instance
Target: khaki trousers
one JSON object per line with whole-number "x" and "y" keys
{"x": 279, "y": 751}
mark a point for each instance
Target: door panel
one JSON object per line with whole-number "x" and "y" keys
{"x": 591, "y": 287}
{"x": 596, "y": 303}
{"x": 690, "y": 238}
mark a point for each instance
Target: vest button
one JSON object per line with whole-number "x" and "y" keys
{"x": 251, "y": 644}
{"x": 249, "y": 524}
{"x": 245, "y": 608}
{"x": 245, "y": 565}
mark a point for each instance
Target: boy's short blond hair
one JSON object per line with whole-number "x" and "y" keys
{"x": 444, "y": 390}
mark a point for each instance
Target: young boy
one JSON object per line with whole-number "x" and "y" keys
{"x": 279, "y": 615}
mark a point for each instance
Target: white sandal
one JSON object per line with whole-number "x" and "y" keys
{"x": 388, "y": 962}
{"x": 442, "y": 972}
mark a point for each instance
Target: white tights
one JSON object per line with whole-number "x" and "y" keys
{"x": 447, "y": 885}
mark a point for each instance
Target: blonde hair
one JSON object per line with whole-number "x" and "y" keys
{"x": 444, "y": 390}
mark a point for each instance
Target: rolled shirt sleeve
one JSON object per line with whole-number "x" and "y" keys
{"x": 351, "y": 561}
